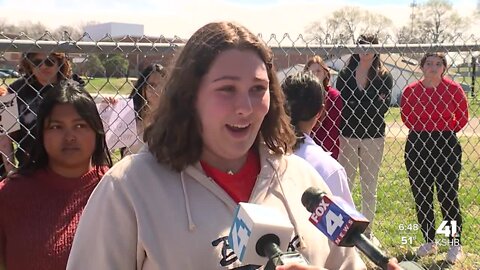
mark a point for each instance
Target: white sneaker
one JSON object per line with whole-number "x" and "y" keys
{"x": 454, "y": 254}
{"x": 427, "y": 249}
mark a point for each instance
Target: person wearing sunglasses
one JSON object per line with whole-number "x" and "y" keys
{"x": 42, "y": 71}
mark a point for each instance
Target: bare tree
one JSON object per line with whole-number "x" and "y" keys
{"x": 476, "y": 19}
{"x": 67, "y": 32}
{"x": 348, "y": 19}
{"x": 7, "y": 28}
{"x": 407, "y": 34}
{"x": 39, "y": 31}
{"x": 435, "y": 22}
{"x": 346, "y": 24}
{"x": 73, "y": 32}
{"x": 376, "y": 24}
{"x": 326, "y": 32}
{"x": 33, "y": 30}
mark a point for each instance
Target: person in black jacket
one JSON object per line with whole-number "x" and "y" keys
{"x": 41, "y": 72}
{"x": 365, "y": 86}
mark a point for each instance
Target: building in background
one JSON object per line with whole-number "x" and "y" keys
{"x": 114, "y": 30}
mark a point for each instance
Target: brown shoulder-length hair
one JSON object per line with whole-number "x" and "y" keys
{"x": 64, "y": 67}
{"x": 174, "y": 136}
{"x": 377, "y": 68}
{"x": 316, "y": 59}
{"x": 441, "y": 55}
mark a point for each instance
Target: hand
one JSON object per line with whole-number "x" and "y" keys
{"x": 110, "y": 100}
{"x": 3, "y": 91}
{"x": 393, "y": 264}
{"x": 297, "y": 266}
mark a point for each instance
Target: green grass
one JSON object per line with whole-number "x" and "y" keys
{"x": 116, "y": 156}
{"x": 393, "y": 115}
{"x": 6, "y": 82}
{"x": 474, "y": 106}
{"x": 121, "y": 86}
{"x": 396, "y": 207}
{"x": 468, "y": 80}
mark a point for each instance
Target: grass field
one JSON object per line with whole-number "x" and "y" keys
{"x": 396, "y": 218}
{"x": 121, "y": 86}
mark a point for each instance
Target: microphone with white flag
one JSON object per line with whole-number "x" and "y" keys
{"x": 259, "y": 234}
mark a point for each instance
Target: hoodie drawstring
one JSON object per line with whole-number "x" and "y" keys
{"x": 191, "y": 225}
{"x": 301, "y": 242}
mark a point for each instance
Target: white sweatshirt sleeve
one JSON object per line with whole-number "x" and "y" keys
{"x": 106, "y": 236}
{"x": 340, "y": 186}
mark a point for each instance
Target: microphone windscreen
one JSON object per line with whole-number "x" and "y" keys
{"x": 310, "y": 198}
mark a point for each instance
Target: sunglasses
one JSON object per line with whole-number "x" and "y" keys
{"x": 47, "y": 61}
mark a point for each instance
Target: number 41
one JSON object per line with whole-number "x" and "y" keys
{"x": 445, "y": 229}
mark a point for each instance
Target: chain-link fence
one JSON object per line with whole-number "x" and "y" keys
{"x": 131, "y": 71}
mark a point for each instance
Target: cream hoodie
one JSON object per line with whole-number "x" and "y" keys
{"x": 143, "y": 215}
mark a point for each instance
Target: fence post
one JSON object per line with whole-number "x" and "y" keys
{"x": 474, "y": 67}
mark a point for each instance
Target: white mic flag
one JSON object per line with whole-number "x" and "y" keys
{"x": 251, "y": 222}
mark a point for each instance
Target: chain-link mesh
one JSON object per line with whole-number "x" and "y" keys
{"x": 402, "y": 201}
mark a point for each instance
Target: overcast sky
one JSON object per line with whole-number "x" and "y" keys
{"x": 183, "y": 17}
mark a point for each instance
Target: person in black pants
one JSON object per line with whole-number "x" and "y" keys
{"x": 435, "y": 109}
{"x": 434, "y": 158}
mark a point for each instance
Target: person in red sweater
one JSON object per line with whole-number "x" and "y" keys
{"x": 327, "y": 131}
{"x": 435, "y": 109}
{"x": 41, "y": 203}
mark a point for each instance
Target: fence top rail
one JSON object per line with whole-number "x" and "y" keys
{"x": 17, "y": 45}
{"x": 11, "y": 45}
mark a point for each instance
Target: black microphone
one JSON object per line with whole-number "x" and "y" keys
{"x": 341, "y": 223}
{"x": 268, "y": 246}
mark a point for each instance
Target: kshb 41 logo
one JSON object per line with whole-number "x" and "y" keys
{"x": 448, "y": 230}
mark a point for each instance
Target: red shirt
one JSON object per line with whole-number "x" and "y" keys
{"x": 441, "y": 108}
{"x": 240, "y": 185}
{"x": 327, "y": 132}
{"x": 39, "y": 215}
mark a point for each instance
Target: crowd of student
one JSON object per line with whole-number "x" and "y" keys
{"x": 217, "y": 129}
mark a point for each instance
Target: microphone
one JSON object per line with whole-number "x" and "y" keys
{"x": 341, "y": 223}
{"x": 259, "y": 232}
